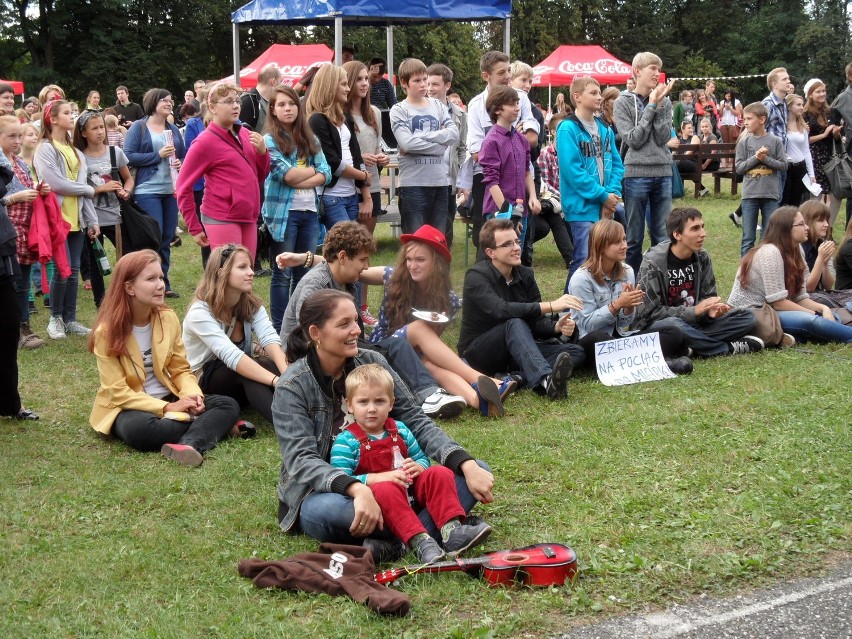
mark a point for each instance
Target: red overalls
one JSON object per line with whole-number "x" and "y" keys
{"x": 434, "y": 488}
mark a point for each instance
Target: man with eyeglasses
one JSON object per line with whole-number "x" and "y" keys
{"x": 507, "y": 326}
{"x": 128, "y": 112}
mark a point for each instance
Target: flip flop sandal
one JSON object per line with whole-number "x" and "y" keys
{"x": 490, "y": 402}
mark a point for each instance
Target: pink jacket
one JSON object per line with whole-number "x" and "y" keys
{"x": 234, "y": 175}
{"x": 48, "y": 231}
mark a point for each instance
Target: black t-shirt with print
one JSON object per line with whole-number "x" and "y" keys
{"x": 680, "y": 275}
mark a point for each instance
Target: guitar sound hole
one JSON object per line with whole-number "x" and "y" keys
{"x": 515, "y": 558}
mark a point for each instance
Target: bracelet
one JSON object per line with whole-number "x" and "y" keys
{"x": 551, "y": 307}
{"x": 309, "y": 260}
{"x": 612, "y": 308}
{"x": 275, "y": 379}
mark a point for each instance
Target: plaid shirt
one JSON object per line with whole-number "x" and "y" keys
{"x": 549, "y": 165}
{"x": 277, "y": 195}
{"x": 776, "y": 123}
{"x": 21, "y": 213}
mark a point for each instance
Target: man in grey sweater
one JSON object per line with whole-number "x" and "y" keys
{"x": 643, "y": 118}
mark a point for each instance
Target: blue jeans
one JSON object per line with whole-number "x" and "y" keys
{"x": 806, "y": 326}
{"x": 328, "y": 516}
{"x": 510, "y": 346}
{"x": 300, "y": 235}
{"x": 712, "y": 338}
{"x": 22, "y": 288}
{"x": 162, "y": 208}
{"x": 580, "y": 232}
{"x": 751, "y": 206}
{"x": 419, "y": 205}
{"x": 639, "y": 193}
{"x": 340, "y": 209}
{"x": 63, "y": 292}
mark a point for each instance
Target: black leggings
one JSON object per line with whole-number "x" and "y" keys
{"x": 147, "y": 432}
{"x": 671, "y": 342}
{"x": 221, "y": 380}
{"x": 10, "y": 325}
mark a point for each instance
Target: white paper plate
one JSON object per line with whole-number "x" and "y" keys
{"x": 429, "y": 316}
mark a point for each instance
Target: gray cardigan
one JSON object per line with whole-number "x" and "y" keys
{"x": 303, "y": 415}
{"x": 51, "y": 168}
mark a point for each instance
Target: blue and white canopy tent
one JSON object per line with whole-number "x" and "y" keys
{"x": 366, "y": 12}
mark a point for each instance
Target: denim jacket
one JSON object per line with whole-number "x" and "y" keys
{"x": 303, "y": 416}
{"x": 277, "y": 193}
{"x": 595, "y": 315}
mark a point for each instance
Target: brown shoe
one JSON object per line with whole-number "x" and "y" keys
{"x": 29, "y": 340}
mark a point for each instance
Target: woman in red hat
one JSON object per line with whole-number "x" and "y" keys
{"x": 417, "y": 305}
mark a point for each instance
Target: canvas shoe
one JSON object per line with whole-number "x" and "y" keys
{"x": 787, "y": 341}
{"x": 736, "y": 219}
{"x": 442, "y": 405}
{"x": 76, "y": 328}
{"x": 748, "y": 344}
{"x": 464, "y": 536}
{"x": 182, "y": 454}
{"x": 367, "y": 317}
{"x": 56, "y": 327}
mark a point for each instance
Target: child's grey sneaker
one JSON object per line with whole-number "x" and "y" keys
{"x": 385, "y": 551}
{"x": 464, "y": 537}
{"x": 428, "y": 551}
{"x": 76, "y": 328}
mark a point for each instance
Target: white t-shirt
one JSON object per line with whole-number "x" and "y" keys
{"x": 303, "y": 199}
{"x": 152, "y": 385}
{"x": 99, "y": 173}
{"x": 344, "y": 187}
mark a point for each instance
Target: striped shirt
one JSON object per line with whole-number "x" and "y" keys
{"x": 346, "y": 451}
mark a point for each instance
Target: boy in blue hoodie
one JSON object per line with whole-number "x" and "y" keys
{"x": 590, "y": 168}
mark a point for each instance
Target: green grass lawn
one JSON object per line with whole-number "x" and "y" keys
{"x": 734, "y": 476}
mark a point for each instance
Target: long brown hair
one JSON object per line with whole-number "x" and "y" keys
{"x": 818, "y": 112}
{"x": 403, "y": 293}
{"x": 323, "y": 96}
{"x": 779, "y": 232}
{"x": 602, "y": 234}
{"x": 51, "y": 110}
{"x": 352, "y": 69}
{"x": 115, "y": 316}
{"x": 300, "y": 139}
{"x": 815, "y": 211}
{"x": 214, "y": 283}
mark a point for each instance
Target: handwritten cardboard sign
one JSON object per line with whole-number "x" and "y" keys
{"x": 629, "y": 360}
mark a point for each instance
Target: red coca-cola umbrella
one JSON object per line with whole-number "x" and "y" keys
{"x": 293, "y": 60}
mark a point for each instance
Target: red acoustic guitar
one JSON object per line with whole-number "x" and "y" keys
{"x": 539, "y": 565}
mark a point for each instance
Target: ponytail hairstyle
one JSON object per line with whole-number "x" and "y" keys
{"x": 80, "y": 141}
{"x": 300, "y": 139}
{"x": 779, "y": 232}
{"x": 115, "y": 316}
{"x": 316, "y": 310}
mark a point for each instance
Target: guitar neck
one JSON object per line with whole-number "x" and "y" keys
{"x": 466, "y": 565}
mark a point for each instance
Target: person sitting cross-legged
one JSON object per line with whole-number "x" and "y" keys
{"x": 680, "y": 290}
{"x": 505, "y": 323}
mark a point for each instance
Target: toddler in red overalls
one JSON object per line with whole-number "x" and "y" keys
{"x": 384, "y": 455}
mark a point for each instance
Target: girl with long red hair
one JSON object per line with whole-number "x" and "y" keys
{"x": 149, "y": 397}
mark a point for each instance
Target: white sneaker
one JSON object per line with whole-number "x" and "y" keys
{"x": 442, "y": 405}
{"x": 76, "y": 328}
{"x": 787, "y": 341}
{"x": 56, "y": 328}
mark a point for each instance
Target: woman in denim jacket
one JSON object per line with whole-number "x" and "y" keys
{"x": 307, "y": 411}
{"x": 607, "y": 287}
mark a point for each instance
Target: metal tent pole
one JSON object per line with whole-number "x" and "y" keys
{"x": 338, "y": 41}
{"x": 507, "y": 35}
{"x": 390, "y": 55}
{"x": 235, "y": 45}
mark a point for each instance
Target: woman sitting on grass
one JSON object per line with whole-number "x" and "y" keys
{"x": 774, "y": 272}
{"x": 606, "y": 285}
{"x": 314, "y": 497}
{"x": 218, "y": 330}
{"x": 420, "y": 281}
{"x": 148, "y": 396}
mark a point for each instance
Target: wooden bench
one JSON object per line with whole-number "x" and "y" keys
{"x": 697, "y": 154}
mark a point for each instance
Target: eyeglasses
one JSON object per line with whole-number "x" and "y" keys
{"x": 167, "y": 99}
{"x": 509, "y": 244}
{"x": 229, "y": 101}
{"x": 800, "y": 224}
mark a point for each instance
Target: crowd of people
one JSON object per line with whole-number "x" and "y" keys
{"x": 352, "y": 397}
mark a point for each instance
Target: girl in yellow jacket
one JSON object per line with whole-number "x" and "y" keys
{"x": 149, "y": 397}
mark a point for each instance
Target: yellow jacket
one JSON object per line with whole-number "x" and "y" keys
{"x": 122, "y": 377}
